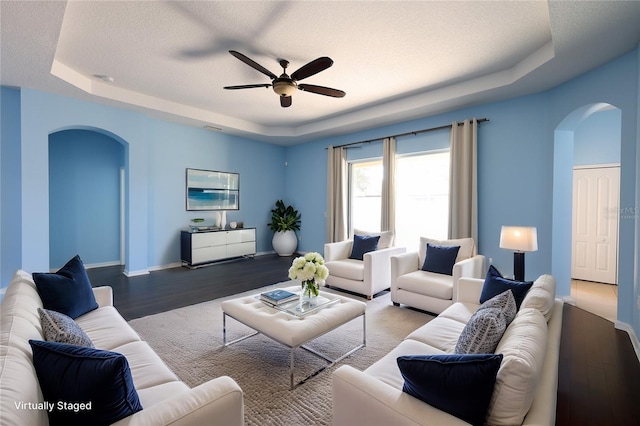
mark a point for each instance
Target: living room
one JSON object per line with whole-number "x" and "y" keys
{"x": 524, "y": 153}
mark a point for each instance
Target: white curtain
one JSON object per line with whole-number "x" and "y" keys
{"x": 388, "y": 214}
{"x": 463, "y": 191}
{"x": 336, "y": 194}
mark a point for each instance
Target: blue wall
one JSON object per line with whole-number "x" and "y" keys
{"x": 84, "y": 197}
{"x": 10, "y": 195}
{"x": 175, "y": 148}
{"x": 615, "y": 83}
{"x": 156, "y": 154}
{"x": 509, "y": 167}
{"x": 597, "y": 139}
{"x": 521, "y": 151}
{"x": 421, "y": 142}
{"x": 523, "y": 155}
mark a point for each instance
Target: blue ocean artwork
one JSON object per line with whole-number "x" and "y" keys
{"x": 212, "y": 199}
{"x": 210, "y": 190}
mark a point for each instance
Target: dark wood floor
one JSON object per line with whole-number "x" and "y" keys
{"x": 173, "y": 288}
{"x": 599, "y": 373}
{"x": 599, "y": 377}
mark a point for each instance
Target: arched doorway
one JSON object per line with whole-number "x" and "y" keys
{"x": 580, "y": 143}
{"x": 85, "y": 197}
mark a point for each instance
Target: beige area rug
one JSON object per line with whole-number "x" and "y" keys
{"x": 189, "y": 340}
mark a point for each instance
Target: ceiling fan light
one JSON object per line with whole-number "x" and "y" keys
{"x": 284, "y": 88}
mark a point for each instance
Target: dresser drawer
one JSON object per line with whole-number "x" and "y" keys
{"x": 208, "y": 239}
{"x": 200, "y": 248}
{"x": 241, "y": 249}
{"x": 208, "y": 254}
{"x": 241, "y": 236}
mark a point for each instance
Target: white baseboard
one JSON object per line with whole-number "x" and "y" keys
{"x": 103, "y": 264}
{"x": 128, "y": 273}
{"x": 167, "y": 266}
{"x": 296, "y": 253}
{"x": 178, "y": 264}
{"x": 632, "y": 335}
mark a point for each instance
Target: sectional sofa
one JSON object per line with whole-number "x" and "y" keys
{"x": 163, "y": 397}
{"x": 525, "y": 388}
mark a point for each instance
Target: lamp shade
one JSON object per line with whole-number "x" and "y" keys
{"x": 519, "y": 238}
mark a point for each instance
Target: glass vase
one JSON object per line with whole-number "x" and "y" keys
{"x": 309, "y": 293}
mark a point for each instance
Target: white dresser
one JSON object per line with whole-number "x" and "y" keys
{"x": 199, "y": 248}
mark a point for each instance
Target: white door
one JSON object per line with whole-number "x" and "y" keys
{"x": 594, "y": 253}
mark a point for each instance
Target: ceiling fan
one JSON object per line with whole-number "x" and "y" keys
{"x": 285, "y": 86}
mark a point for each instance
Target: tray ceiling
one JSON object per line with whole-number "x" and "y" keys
{"x": 396, "y": 60}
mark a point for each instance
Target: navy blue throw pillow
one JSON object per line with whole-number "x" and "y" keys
{"x": 363, "y": 244}
{"x": 67, "y": 291}
{"x": 461, "y": 385}
{"x": 495, "y": 283}
{"x": 440, "y": 259}
{"x": 84, "y": 386}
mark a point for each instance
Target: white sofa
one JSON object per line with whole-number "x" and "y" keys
{"x": 430, "y": 291}
{"x": 164, "y": 398}
{"x": 526, "y": 383}
{"x": 368, "y": 276}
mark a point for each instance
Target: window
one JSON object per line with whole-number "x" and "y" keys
{"x": 365, "y": 195}
{"x": 422, "y": 196}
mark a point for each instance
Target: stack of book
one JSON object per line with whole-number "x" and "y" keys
{"x": 278, "y": 297}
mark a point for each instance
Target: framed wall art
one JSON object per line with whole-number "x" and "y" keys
{"x": 212, "y": 190}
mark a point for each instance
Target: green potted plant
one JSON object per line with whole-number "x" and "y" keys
{"x": 285, "y": 221}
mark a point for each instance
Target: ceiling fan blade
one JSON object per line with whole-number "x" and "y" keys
{"x": 253, "y": 64}
{"x": 321, "y": 90}
{"x": 285, "y": 101}
{"x": 313, "y": 67}
{"x": 247, "y": 86}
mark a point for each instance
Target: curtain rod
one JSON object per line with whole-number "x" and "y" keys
{"x": 448, "y": 126}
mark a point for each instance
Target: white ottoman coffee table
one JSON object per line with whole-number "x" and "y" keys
{"x": 294, "y": 329}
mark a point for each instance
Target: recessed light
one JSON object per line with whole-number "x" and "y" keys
{"x": 105, "y": 78}
{"x": 210, "y": 127}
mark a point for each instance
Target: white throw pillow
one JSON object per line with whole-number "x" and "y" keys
{"x": 541, "y": 296}
{"x": 524, "y": 346}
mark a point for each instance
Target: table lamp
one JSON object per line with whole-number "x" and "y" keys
{"x": 521, "y": 239}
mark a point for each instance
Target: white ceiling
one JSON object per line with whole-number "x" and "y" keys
{"x": 397, "y": 60}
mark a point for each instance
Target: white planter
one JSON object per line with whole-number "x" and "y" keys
{"x": 285, "y": 243}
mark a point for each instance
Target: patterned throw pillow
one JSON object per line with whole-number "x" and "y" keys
{"x": 504, "y": 301}
{"x": 58, "y": 327}
{"x": 483, "y": 332}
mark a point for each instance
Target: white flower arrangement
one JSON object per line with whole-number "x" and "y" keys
{"x": 309, "y": 269}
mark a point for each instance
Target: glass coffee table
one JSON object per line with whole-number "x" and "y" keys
{"x": 293, "y": 325}
{"x": 301, "y": 310}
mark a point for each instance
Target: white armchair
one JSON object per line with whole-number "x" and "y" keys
{"x": 430, "y": 291}
{"x": 368, "y": 276}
